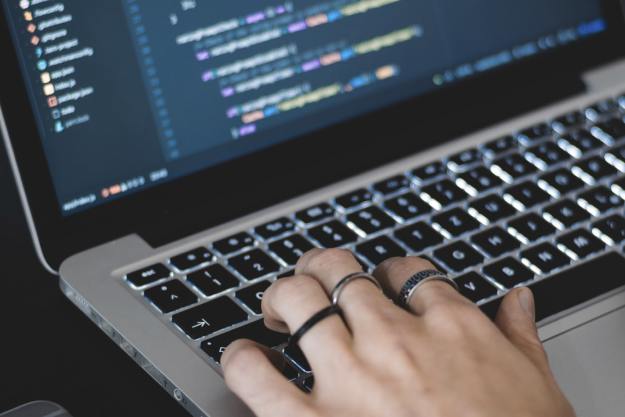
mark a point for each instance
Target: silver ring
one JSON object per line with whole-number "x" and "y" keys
{"x": 417, "y": 280}
{"x": 340, "y": 287}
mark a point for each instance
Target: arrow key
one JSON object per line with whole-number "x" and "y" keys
{"x": 474, "y": 287}
{"x": 209, "y": 317}
{"x": 170, "y": 296}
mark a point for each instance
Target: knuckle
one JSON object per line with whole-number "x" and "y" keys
{"x": 292, "y": 289}
{"x": 399, "y": 265}
{"x": 330, "y": 257}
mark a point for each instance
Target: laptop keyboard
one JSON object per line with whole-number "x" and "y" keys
{"x": 544, "y": 207}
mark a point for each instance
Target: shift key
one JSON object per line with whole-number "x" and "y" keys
{"x": 573, "y": 287}
{"x": 255, "y": 331}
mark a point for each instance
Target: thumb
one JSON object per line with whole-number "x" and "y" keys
{"x": 517, "y": 321}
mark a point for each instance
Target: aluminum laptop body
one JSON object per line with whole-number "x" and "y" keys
{"x": 174, "y": 159}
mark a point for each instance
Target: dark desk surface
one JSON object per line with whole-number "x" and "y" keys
{"x": 48, "y": 349}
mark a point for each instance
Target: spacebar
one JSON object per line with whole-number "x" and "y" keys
{"x": 573, "y": 287}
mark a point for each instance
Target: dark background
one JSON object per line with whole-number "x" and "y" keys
{"x": 48, "y": 349}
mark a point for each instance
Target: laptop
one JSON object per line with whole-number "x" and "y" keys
{"x": 174, "y": 158}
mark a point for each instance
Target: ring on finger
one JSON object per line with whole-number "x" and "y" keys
{"x": 343, "y": 283}
{"x": 313, "y": 321}
{"x": 417, "y": 281}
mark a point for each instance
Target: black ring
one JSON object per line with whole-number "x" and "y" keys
{"x": 313, "y": 321}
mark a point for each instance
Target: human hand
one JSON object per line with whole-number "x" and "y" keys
{"x": 444, "y": 358}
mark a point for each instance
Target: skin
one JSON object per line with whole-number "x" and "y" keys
{"x": 443, "y": 358}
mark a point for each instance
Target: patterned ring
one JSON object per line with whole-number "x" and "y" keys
{"x": 417, "y": 280}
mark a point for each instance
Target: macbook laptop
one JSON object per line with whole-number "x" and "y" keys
{"x": 176, "y": 157}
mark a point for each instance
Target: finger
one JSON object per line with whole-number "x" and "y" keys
{"x": 292, "y": 302}
{"x": 358, "y": 298}
{"x": 252, "y": 376}
{"x": 395, "y": 272}
{"x": 517, "y": 321}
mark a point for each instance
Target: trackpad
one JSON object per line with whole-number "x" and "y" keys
{"x": 589, "y": 363}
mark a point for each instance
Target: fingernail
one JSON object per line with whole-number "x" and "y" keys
{"x": 526, "y": 300}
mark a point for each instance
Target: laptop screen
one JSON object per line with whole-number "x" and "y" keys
{"x": 128, "y": 94}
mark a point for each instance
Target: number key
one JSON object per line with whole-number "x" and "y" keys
{"x": 332, "y": 234}
{"x": 371, "y": 220}
{"x": 408, "y": 206}
{"x": 254, "y": 264}
{"x": 291, "y": 248}
{"x": 213, "y": 280}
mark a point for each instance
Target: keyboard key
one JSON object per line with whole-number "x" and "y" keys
{"x": 579, "y": 143}
{"x": 594, "y": 169}
{"x": 600, "y": 200}
{"x": 609, "y": 131}
{"x": 602, "y": 109}
{"x": 442, "y": 194}
{"x": 191, "y": 259}
{"x": 355, "y": 198}
{"x": 618, "y": 188}
{"x": 495, "y": 242}
{"x": 149, "y": 275}
{"x": 332, "y": 234}
{"x": 254, "y": 264}
{"x": 407, "y": 206}
{"x": 478, "y": 180}
{"x": 569, "y": 121}
{"x": 295, "y": 354}
{"x": 459, "y": 256}
{"x": 209, "y": 317}
{"x": 500, "y": 146}
{"x": 459, "y": 161}
{"x": 275, "y": 228}
{"x": 492, "y": 208}
{"x": 565, "y": 214}
{"x": 213, "y": 280}
{"x": 547, "y": 154}
{"x": 371, "y": 220}
{"x": 315, "y": 214}
{"x": 561, "y": 181}
{"x": 256, "y": 332}
{"x": 526, "y": 195}
{"x": 616, "y": 157}
{"x": 474, "y": 287}
{"x": 613, "y": 228}
{"x": 512, "y": 167}
{"x": 291, "y": 248}
{"x": 509, "y": 272}
{"x": 546, "y": 258}
{"x": 535, "y": 133}
{"x": 392, "y": 185}
{"x": 170, "y": 296}
{"x": 580, "y": 243}
{"x": 456, "y": 222}
{"x": 530, "y": 228}
{"x": 429, "y": 172}
{"x": 572, "y": 287}
{"x": 234, "y": 243}
{"x": 253, "y": 296}
{"x": 419, "y": 237}
{"x": 380, "y": 249}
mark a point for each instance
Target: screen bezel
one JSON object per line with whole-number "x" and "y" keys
{"x": 256, "y": 181}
